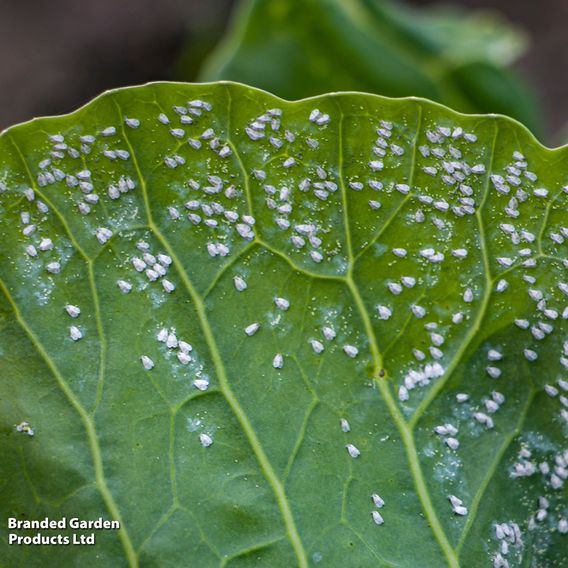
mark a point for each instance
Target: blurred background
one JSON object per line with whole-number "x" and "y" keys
{"x": 506, "y": 56}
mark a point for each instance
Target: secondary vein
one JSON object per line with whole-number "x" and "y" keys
{"x": 474, "y": 329}
{"x": 90, "y": 275}
{"x": 230, "y": 397}
{"x": 405, "y": 432}
{"x": 100, "y": 480}
{"x": 400, "y": 422}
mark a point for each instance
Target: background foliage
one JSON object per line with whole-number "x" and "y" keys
{"x": 108, "y": 44}
{"x": 301, "y": 48}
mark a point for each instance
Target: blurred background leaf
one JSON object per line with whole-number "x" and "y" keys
{"x": 301, "y": 48}
{"x": 60, "y": 54}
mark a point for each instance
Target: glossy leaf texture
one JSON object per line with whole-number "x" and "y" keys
{"x": 302, "y": 48}
{"x": 328, "y": 332}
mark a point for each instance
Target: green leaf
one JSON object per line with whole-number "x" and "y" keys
{"x": 301, "y": 48}
{"x": 418, "y": 300}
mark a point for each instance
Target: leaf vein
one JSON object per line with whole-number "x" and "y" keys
{"x": 230, "y": 397}
{"x": 481, "y": 312}
{"x": 85, "y": 417}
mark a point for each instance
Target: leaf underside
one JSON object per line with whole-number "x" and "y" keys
{"x": 285, "y": 309}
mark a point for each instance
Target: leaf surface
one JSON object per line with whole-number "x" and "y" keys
{"x": 285, "y": 310}
{"x": 302, "y": 48}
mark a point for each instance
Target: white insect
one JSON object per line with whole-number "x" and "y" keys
{"x": 378, "y": 501}
{"x": 132, "y": 122}
{"x": 452, "y": 443}
{"x": 377, "y": 518}
{"x": 494, "y": 355}
{"x": 353, "y": 451}
{"x": 418, "y": 311}
{"x": 53, "y": 267}
{"x": 75, "y": 333}
{"x": 408, "y": 281}
{"x": 317, "y": 346}
{"x": 124, "y": 286}
{"x": 171, "y": 341}
{"x": 351, "y": 350}
{"x": 384, "y": 312}
{"x": 31, "y": 250}
{"x": 282, "y": 303}
{"x": 73, "y": 311}
{"x": 240, "y": 283}
{"x": 25, "y": 428}
{"x": 457, "y": 505}
{"x": 493, "y": 372}
{"x": 45, "y": 244}
{"x": 329, "y": 333}
{"x": 183, "y": 358}
{"x": 205, "y": 440}
{"x": 252, "y": 328}
{"x": 201, "y": 384}
{"x": 395, "y": 288}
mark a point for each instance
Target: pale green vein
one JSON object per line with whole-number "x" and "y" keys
{"x": 73, "y": 494}
{"x": 437, "y": 387}
{"x": 305, "y": 377}
{"x": 394, "y": 215}
{"x": 302, "y": 325}
{"x": 475, "y": 502}
{"x": 202, "y": 534}
{"x": 197, "y": 394}
{"x": 237, "y": 155}
{"x": 545, "y": 219}
{"x": 171, "y": 456}
{"x": 160, "y": 392}
{"x": 345, "y": 492}
{"x": 405, "y": 432}
{"x": 28, "y": 478}
{"x": 114, "y": 237}
{"x": 346, "y": 222}
{"x": 89, "y": 427}
{"x": 250, "y": 550}
{"x": 230, "y": 397}
{"x": 403, "y": 328}
{"x": 382, "y": 561}
{"x": 226, "y": 267}
{"x": 300, "y": 438}
{"x": 90, "y": 273}
{"x": 296, "y": 267}
{"x": 160, "y": 523}
{"x": 520, "y": 264}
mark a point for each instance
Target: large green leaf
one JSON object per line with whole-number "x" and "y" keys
{"x": 301, "y": 48}
{"x": 407, "y": 266}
